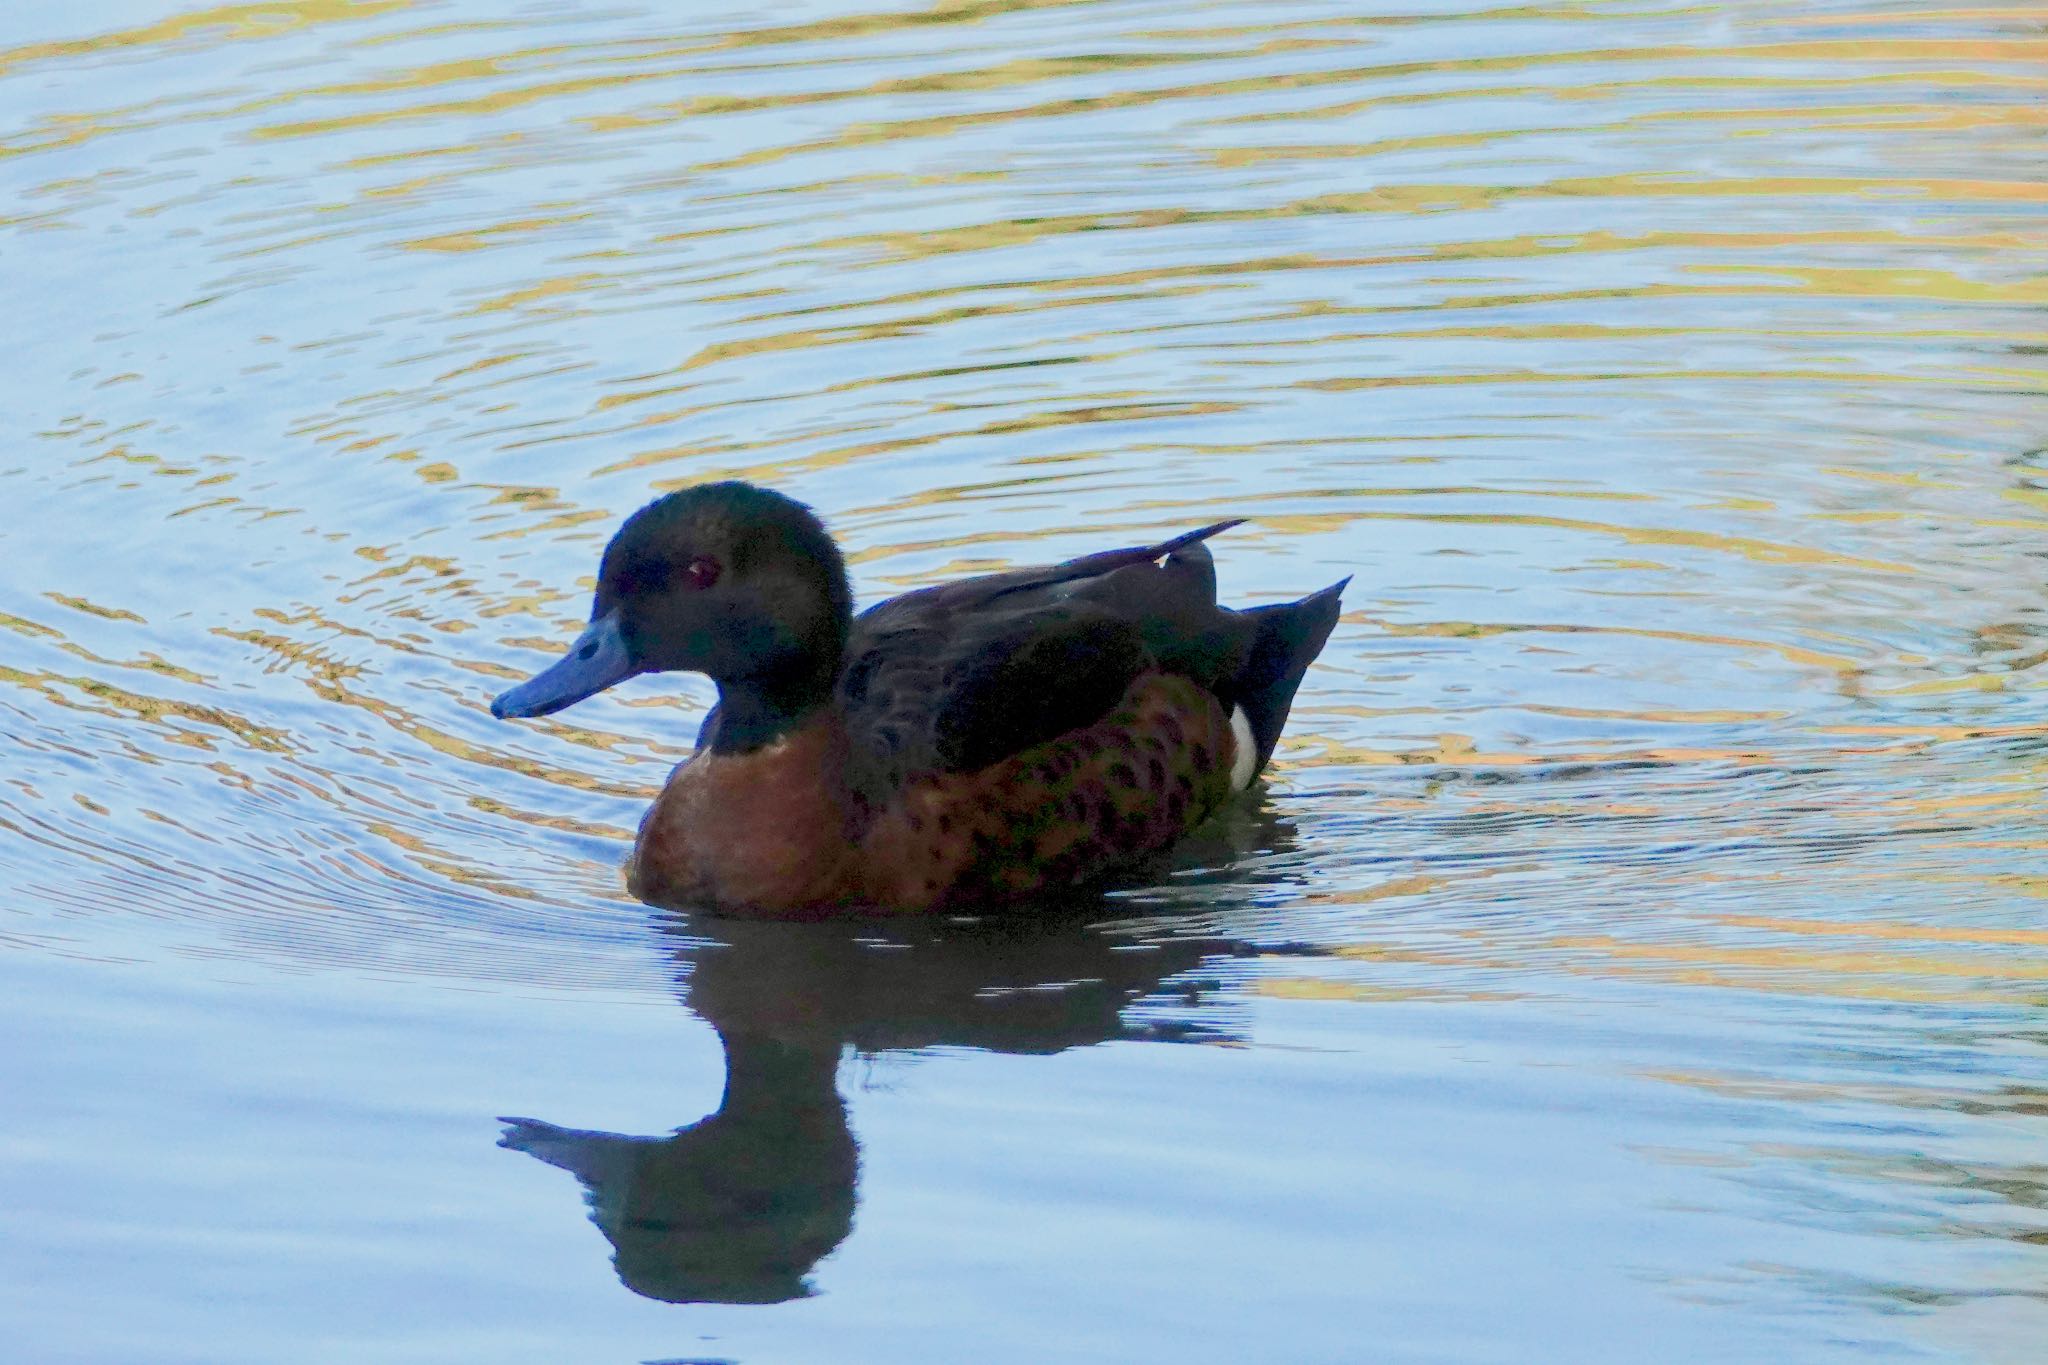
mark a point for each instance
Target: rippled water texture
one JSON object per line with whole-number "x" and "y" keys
{"x": 1638, "y": 954}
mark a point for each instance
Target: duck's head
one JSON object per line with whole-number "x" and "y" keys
{"x": 725, "y": 579}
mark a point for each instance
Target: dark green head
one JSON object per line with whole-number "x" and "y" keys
{"x": 725, "y": 579}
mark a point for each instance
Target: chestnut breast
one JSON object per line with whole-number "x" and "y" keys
{"x": 766, "y": 833}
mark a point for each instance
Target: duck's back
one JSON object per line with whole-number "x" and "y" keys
{"x": 1042, "y": 728}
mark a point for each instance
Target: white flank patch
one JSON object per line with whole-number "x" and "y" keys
{"x": 1244, "y": 761}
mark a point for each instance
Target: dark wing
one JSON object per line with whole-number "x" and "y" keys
{"x": 955, "y": 678}
{"x": 932, "y": 604}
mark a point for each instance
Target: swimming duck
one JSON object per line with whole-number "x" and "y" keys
{"x": 980, "y": 741}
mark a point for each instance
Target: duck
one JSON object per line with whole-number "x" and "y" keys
{"x": 992, "y": 740}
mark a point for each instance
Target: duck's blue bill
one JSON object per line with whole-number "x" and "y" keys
{"x": 597, "y": 660}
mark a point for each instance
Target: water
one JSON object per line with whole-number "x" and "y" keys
{"x": 1639, "y": 950}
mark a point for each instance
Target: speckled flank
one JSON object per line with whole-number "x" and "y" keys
{"x": 1063, "y": 812}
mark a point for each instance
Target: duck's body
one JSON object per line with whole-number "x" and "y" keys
{"x": 793, "y": 828}
{"x": 995, "y": 738}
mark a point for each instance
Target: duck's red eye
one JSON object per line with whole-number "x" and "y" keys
{"x": 702, "y": 573}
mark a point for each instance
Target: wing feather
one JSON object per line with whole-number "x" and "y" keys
{"x": 958, "y": 677}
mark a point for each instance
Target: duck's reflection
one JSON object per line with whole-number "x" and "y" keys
{"x": 737, "y": 1207}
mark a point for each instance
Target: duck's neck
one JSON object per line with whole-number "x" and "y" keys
{"x": 780, "y": 664}
{"x": 755, "y": 712}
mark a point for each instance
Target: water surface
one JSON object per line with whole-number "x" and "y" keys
{"x": 1637, "y": 953}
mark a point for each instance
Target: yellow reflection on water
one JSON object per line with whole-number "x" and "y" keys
{"x": 207, "y": 26}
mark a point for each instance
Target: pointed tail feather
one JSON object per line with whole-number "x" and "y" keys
{"x": 1105, "y": 561}
{"x": 1187, "y": 538}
